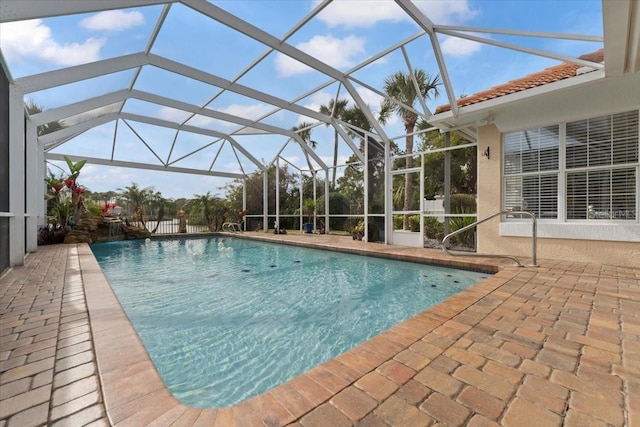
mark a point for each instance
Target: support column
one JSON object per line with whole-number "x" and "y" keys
{"x": 41, "y": 169}
{"x": 365, "y": 171}
{"x": 314, "y": 174}
{"x": 265, "y": 200}
{"x": 278, "y": 191}
{"x": 447, "y": 183}
{"x": 301, "y": 200}
{"x": 422, "y": 199}
{"x": 33, "y": 187}
{"x": 16, "y": 177}
{"x": 326, "y": 202}
{"x": 244, "y": 202}
{"x": 388, "y": 188}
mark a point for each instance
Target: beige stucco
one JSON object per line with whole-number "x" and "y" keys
{"x": 490, "y": 241}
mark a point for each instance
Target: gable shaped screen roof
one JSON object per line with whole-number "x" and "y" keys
{"x": 217, "y": 87}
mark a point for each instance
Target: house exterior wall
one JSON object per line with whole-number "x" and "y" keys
{"x": 4, "y": 170}
{"x": 491, "y": 241}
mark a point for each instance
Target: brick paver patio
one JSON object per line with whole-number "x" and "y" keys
{"x": 548, "y": 346}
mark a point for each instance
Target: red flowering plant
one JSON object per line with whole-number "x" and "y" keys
{"x": 65, "y": 197}
{"x": 108, "y": 208}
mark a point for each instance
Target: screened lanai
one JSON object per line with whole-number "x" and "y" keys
{"x": 220, "y": 90}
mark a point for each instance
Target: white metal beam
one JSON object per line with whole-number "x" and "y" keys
{"x": 214, "y": 80}
{"x": 365, "y": 109}
{"x": 67, "y": 133}
{"x": 426, "y": 24}
{"x": 305, "y": 148}
{"x": 75, "y": 130}
{"x": 151, "y": 41}
{"x": 621, "y": 21}
{"x": 538, "y": 52}
{"x": 135, "y": 165}
{"x": 232, "y": 21}
{"x": 18, "y": 10}
{"x": 347, "y": 138}
{"x": 77, "y": 73}
{"x": 180, "y": 105}
{"x": 60, "y": 113}
{"x": 538, "y": 34}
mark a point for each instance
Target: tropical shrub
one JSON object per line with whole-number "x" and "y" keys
{"x": 414, "y": 222}
{"x": 463, "y": 203}
{"x": 466, "y": 238}
{"x": 433, "y": 229}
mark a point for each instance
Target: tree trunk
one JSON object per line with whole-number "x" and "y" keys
{"x": 160, "y": 218}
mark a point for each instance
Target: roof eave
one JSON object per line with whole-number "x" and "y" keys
{"x": 481, "y": 113}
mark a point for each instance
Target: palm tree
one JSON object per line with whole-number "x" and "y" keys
{"x": 401, "y": 87}
{"x": 304, "y": 130}
{"x": 356, "y": 117}
{"x": 136, "y": 197}
{"x": 33, "y": 108}
{"x": 214, "y": 208}
{"x": 157, "y": 201}
{"x": 334, "y": 109}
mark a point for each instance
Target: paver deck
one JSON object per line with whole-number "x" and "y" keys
{"x": 548, "y": 346}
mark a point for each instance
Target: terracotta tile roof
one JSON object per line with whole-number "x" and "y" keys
{"x": 541, "y": 78}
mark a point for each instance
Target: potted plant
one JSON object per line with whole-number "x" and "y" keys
{"x": 309, "y": 208}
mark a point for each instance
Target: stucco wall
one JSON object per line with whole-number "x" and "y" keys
{"x": 4, "y": 170}
{"x": 490, "y": 200}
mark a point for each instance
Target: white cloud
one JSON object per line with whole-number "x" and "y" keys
{"x": 370, "y": 98}
{"x": 446, "y": 12}
{"x": 335, "y": 52}
{"x": 112, "y": 20}
{"x": 373, "y": 100}
{"x": 292, "y": 159}
{"x": 251, "y": 112}
{"x": 314, "y": 103}
{"x": 368, "y": 13}
{"x": 354, "y": 14}
{"x": 28, "y": 40}
{"x": 455, "y": 46}
{"x": 172, "y": 114}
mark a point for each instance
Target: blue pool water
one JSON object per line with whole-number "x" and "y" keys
{"x": 222, "y": 325}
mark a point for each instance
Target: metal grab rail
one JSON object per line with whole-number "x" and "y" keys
{"x": 480, "y": 221}
{"x": 233, "y": 227}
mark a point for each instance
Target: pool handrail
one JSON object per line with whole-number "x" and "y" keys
{"x": 232, "y": 227}
{"x": 511, "y": 257}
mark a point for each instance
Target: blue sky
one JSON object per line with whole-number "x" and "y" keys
{"x": 343, "y": 35}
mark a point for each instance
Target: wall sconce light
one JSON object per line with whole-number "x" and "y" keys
{"x": 487, "y": 153}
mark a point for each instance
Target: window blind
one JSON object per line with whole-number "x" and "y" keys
{"x": 602, "y": 148}
{"x": 599, "y": 173}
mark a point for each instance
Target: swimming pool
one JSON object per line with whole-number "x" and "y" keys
{"x": 222, "y": 325}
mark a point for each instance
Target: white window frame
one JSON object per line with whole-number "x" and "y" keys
{"x": 622, "y": 230}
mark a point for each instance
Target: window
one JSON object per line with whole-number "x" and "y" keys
{"x": 531, "y": 171}
{"x": 602, "y": 163}
{"x": 597, "y": 179}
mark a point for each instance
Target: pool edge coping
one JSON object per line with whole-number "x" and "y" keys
{"x": 134, "y": 391}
